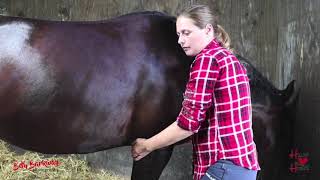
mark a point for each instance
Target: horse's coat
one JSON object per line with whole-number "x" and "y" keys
{"x": 16, "y": 52}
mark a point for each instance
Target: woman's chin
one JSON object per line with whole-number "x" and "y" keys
{"x": 188, "y": 53}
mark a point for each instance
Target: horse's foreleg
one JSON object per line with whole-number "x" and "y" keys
{"x": 151, "y": 166}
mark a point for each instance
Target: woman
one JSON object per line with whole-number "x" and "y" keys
{"x": 216, "y": 109}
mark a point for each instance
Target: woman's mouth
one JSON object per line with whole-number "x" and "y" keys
{"x": 186, "y": 48}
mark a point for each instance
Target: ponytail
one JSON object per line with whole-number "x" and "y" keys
{"x": 223, "y": 37}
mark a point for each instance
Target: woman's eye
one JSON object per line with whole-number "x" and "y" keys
{"x": 186, "y": 33}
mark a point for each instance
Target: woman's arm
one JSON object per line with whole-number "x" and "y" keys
{"x": 172, "y": 134}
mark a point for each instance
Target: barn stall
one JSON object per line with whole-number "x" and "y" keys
{"x": 280, "y": 38}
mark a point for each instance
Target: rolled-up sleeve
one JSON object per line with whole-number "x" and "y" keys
{"x": 199, "y": 92}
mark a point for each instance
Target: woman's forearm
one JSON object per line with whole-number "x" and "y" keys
{"x": 168, "y": 136}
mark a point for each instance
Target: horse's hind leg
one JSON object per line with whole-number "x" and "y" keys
{"x": 151, "y": 166}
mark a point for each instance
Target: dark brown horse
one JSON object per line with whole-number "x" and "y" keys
{"x": 81, "y": 87}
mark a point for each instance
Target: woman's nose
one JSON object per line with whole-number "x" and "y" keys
{"x": 180, "y": 40}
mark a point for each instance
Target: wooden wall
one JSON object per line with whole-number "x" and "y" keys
{"x": 281, "y": 38}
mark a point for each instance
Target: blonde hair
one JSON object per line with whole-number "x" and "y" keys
{"x": 202, "y": 15}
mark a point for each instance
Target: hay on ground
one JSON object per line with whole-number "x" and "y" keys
{"x": 31, "y": 165}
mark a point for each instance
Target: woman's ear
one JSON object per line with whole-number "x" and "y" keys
{"x": 209, "y": 29}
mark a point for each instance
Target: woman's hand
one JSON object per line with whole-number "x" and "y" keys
{"x": 139, "y": 149}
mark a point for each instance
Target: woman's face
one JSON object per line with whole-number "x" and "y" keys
{"x": 191, "y": 38}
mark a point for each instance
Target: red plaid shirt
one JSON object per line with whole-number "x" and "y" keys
{"x": 217, "y": 108}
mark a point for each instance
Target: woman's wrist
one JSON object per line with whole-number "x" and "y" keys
{"x": 149, "y": 145}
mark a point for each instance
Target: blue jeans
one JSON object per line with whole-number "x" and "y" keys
{"x": 226, "y": 170}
